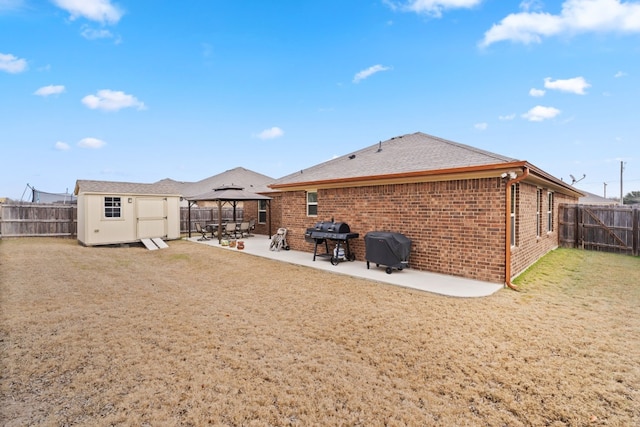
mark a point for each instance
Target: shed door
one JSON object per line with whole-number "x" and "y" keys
{"x": 151, "y": 214}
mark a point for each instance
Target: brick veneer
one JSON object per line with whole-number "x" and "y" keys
{"x": 456, "y": 227}
{"x": 530, "y": 247}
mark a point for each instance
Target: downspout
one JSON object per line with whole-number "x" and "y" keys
{"x": 507, "y": 257}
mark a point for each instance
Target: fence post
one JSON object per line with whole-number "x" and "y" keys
{"x": 579, "y": 228}
{"x": 635, "y": 227}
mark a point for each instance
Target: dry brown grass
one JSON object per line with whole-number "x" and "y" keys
{"x": 192, "y": 335}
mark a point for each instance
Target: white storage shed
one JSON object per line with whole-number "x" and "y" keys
{"x": 123, "y": 212}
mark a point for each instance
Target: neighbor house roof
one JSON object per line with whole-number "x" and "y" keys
{"x": 249, "y": 180}
{"x": 594, "y": 199}
{"x": 408, "y": 157}
{"x": 114, "y": 187}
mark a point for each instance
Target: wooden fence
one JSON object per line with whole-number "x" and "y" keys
{"x": 206, "y": 216}
{"x": 600, "y": 228}
{"x": 58, "y": 220}
{"x": 31, "y": 220}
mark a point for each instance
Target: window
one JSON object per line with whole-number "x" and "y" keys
{"x": 262, "y": 211}
{"x": 539, "y": 212}
{"x": 514, "y": 204}
{"x": 112, "y": 207}
{"x": 549, "y": 212}
{"x": 312, "y": 203}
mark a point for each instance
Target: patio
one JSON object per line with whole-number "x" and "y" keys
{"x": 258, "y": 245}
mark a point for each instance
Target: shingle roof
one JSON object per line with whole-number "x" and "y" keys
{"x": 415, "y": 152}
{"x": 249, "y": 180}
{"x": 113, "y": 187}
{"x": 245, "y": 178}
{"x": 228, "y": 194}
{"x": 594, "y": 199}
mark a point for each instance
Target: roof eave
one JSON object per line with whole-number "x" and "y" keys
{"x": 477, "y": 171}
{"x": 540, "y": 176}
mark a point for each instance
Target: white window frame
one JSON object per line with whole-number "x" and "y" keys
{"x": 313, "y": 203}
{"x": 550, "y": 212}
{"x": 112, "y": 207}
{"x": 262, "y": 209}
{"x": 512, "y": 208}
{"x": 539, "y": 212}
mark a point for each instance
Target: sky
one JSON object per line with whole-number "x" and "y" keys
{"x": 142, "y": 90}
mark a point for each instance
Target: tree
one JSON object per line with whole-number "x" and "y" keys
{"x": 631, "y": 198}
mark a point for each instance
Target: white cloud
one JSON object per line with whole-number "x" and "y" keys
{"x": 49, "y": 90}
{"x": 94, "y": 10}
{"x": 274, "y": 132}
{"x": 576, "y": 16}
{"x": 93, "y": 34}
{"x": 537, "y": 93}
{"x": 507, "y": 117}
{"x": 110, "y": 100}
{"x": 481, "y": 126}
{"x": 528, "y": 5}
{"x": 620, "y": 74}
{"x": 431, "y": 7}
{"x": 62, "y": 146}
{"x": 94, "y": 143}
{"x": 369, "y": 72}
{"x": 11, "y": 5}
{"x": 575, "y": 85}
{"x": 540, "y": 113}
{"x": 12, "y": 64}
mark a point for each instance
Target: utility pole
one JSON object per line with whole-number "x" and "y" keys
{"x": 605, "y": 190}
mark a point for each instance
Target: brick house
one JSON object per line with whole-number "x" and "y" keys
{"x": 468, "y": 212}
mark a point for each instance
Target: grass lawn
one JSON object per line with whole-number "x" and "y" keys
{"x": 191, "y": 335}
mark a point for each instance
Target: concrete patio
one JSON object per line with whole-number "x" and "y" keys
{"x": 259, "y": 245}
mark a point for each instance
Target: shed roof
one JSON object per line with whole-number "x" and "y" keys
{"x": 115, "y": 187}
{"x": 250, "y": 180}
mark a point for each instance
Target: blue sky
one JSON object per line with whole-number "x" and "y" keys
{"x": 144, "y": 90}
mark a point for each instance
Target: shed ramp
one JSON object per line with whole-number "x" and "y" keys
{"x": 154, "y": 243}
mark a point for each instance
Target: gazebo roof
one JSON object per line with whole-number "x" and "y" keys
{"x": 228, "y": 193}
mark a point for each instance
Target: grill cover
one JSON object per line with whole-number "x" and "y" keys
{"x": 386, "y": 248}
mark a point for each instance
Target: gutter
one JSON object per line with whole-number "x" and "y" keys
{"x": 507, "y": 257}
{"x": 401, "y": 177}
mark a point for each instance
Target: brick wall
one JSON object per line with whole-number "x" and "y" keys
{"x": 251, "y": 212}
{"x": 529, "y": 246}
{"x": 456, "y": 227}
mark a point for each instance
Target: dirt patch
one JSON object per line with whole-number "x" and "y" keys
{"x": 191, "y": 335}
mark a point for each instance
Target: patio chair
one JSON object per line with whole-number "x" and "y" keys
{"x": 244, "y": 229}
{"x": 202, "y": 231}
{"x": 230, "y": 229}
{"x": 252, "y": 226}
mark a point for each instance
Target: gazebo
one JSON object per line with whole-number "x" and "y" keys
{"x": 231, "y": 194}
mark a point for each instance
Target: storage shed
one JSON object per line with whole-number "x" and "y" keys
{"x": 124, "y": 212}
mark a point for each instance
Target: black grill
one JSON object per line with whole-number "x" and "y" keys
{"x": 329, "y": 230}
{"x": 338, "y": 232}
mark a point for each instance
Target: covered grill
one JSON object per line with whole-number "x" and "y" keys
{"x": 338, "y": 232}
{"x": 386, "y": 248}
